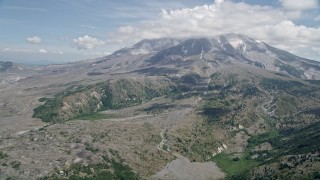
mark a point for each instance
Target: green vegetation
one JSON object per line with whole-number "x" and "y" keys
{"x": 10, "y": 178}
{"x": 249, "y": 91}
{"x": 223, "y": 81}
{"x": 279, "y": 84}
{"x": 122, "y": 171}
{"x": 15, "y": 165}
{"x": 84, "y": 101}
{"x": 215, "y": 108}
{"x": 190, "y": 78}
{"x": 315, "y": 111}
{"x": 49, "y": 111}
{"x": 257, "y": 64}
{"x": 235, "y": 100}
{"x": 284, "y": 143}
{"x": 89, "y": 147}
{"x": 235, "y": 167}
{"x": 290, "y": 70}
{"x": 294, "y": 88}
{"x": 286, "y": 105}
{"x": 43, "y": 99}
{"x": 239, "y": 167}
{"x": 316, "y": 175}
{"x": 304, "y": 140}
{"x": 270, "y": 136}
{"x": 215, "y": 75}
{"x": 158, "y": 107}
{"x": 281, "y": 74}
{"x": 107, "y": 169}
{"x": 165, "y": 147}
{"x": 287, "y": 142}
{"x": 315, "y": 82}
{"x": 124, "y": 93}
{"x": 3, "y": 155}
{"x": 96, "y": 116}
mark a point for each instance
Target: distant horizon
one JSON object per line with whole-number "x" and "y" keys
{"x": 43, "y": 63}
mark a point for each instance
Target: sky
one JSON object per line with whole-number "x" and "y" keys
{"x": 59, "y": 31}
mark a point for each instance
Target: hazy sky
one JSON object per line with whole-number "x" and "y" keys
{"x": 56, "y": 31}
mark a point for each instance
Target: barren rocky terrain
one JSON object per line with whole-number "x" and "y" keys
{"x": 193, "y": 109}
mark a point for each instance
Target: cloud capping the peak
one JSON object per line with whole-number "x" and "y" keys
{"x": 266, "y": 23}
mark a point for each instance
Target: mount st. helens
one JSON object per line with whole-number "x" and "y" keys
{"x": 140, "y": 112}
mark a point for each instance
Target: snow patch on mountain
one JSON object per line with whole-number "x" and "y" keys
{"x": 237, "y": 44}
{"x": 312, "y": 74}
{"x": 185, "y": 51}
{"x": 201, "y": 55}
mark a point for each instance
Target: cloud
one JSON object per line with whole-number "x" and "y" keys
{"x": 6, "y": 49}
{"x": 34, "y": 40}
{"x": 58, "y": 52}
{"x": 87, "y": 42}
{"x": 126, "y": 29}
{"x": 272, "y": 25}
{"x": 43, "y": 51}
{"x": 299, "y": 4}
{"x": 317, "y": 18}
{"x": 219, "y": 1}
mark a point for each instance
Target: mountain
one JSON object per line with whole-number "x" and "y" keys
{"x": 10, "y": 67}
{"x": 177, "y": 57}
{"x": 195, "y": 55}
{"x": 13, "y": 72}
{"x": 5, "y": 65}
{"x": 166, "y": 109}
{"x": 232, "y": 48}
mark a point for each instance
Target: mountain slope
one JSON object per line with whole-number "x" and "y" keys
{"x": 145, "y": 111}
{"x": 147, "y": 46}
{"x": 86, "y": 100}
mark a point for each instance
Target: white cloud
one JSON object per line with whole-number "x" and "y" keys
{"x": 87, "y": 42}
{"x": 58, "y": 52}
{"x": 299, "y": 4}
{"x": 272, "y": 25}
{"x": 126, "y": 29}
{"x": 34, "y": 40}
{"x": 43, "y": 51}
{"x": 6, "y": 49}
{"x": 219, "y": 1}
